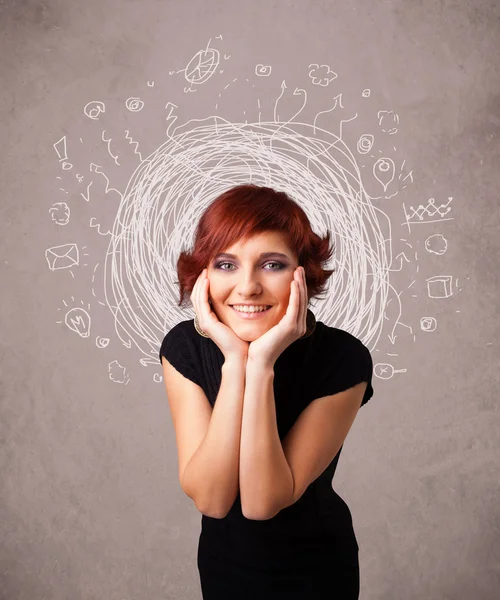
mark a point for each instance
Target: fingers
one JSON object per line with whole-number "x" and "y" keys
{"x": 297, "y": 299}
{"x": 198, "y": 295}
{"x": 302, "y": 288}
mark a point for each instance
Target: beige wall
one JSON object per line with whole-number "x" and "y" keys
{"x": 90, "y": 504}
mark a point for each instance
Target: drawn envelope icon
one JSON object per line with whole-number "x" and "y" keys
{"x": 62, "y": 257}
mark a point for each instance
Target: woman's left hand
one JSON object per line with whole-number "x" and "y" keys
{"x": 292, "y": 326}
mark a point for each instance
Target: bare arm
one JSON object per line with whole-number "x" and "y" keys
{"x": 211, "y": 477}
{"x": 266, "y": 479}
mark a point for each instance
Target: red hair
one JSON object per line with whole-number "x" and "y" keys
{"x": 243, "y": 211}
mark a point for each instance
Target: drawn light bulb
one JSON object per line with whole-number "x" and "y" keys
{"x": 78, "y": 320}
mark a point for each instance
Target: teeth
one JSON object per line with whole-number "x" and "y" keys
{"x": 249, "y": 308}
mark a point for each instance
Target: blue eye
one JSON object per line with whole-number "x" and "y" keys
{"x": 271, "y": 262}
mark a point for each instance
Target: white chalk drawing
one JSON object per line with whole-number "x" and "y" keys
{"x": 337, "y": 102}
{"x": 407, "y": 176}
{"x": 171, "y": 118}
{"x": 94, "y": 225}
{"x": 428, "y": 324}
{"x": 384, "y": 170}
{"x": 62, "y": 257}
{"x": 94, "y": 109}
{"x": 59, "y": 213}
{"x": 385, "y": 370}
{"x": 202, "y": 66}
{"x": 365, "y": 143}
{"x": 387, "y": 119}
{"x": 97, "y": 169}
{"x": 101, "y": 342}
{"x": 157, "y": 378}
{"x": 114, "y": 157}
{"x": 78, "y": 320}
{"x": 439, "y": 286}
{"x": 263, "y": 70}
{"x": 153, "y": 202}
{"x": 402, "y": 256}
{"x": 321, "y": 75}
{"x": 62, "y": 153}
{"x": 118, "y": 373}
{"x": 134, "y": 104}
{"x": 131, "y": 141}
{"x": 436, "y": 244}
{"x": 86, "y": 196}
{"x": 94, "y": 293}
{"x": 319, "y": 156}
{"x": 148, "y": 361}
{"x": 429, "y": 213}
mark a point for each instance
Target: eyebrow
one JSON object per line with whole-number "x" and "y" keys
{"x": 263, "y": 255}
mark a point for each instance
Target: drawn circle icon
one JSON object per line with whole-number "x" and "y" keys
{"x": 94, "y": 109}
{"x": 134, "y": 104}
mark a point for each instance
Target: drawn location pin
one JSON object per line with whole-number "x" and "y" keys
{"x": 384, "y": 170}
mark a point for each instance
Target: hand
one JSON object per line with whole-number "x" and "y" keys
{"x": 292, "y": 326}
{"x": 225, "y": 338}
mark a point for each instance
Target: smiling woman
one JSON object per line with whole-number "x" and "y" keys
{"x": 262, "y": 398}
{"x": 244, "y": 212}
{"x": 250, "y": 294}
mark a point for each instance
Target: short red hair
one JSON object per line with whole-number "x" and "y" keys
{"x": 243, "y": 211}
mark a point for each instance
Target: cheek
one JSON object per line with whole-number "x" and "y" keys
{"x": 285, "y": 292}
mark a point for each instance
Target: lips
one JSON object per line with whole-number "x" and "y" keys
{"x": 259, "y": 305}
{"x": 251, "y": 315}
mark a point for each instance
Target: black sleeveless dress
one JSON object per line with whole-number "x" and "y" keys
{"x": 308, "y": 551}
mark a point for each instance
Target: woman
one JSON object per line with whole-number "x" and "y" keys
{"x": 262, "y": 402}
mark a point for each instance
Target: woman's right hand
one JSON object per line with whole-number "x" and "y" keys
{"x": 225, "y": 338}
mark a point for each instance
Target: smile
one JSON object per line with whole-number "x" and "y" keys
{"x": 250, "y": 314}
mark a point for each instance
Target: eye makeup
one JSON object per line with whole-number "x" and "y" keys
{"x": 263, "y": 255}
{"x": 281, "y": 266}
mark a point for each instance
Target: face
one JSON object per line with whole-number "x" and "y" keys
{"x": 247, "y": 277}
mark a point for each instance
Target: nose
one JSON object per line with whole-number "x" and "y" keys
{"x": 249, "y": 286}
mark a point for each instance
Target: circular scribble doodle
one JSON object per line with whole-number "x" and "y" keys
{"x": 170, "y": 189}
{"x": 134, "y": 104}
{"x": 428, "y": 324}
{"x": 101, "y": 342}
{"x": 365, "y": 143}
{"x": 94, "y": 109}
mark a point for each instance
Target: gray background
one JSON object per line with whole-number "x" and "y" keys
{"x": 90, "y": 502}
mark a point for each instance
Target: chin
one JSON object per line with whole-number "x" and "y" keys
{"x": 249, "y": 337}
